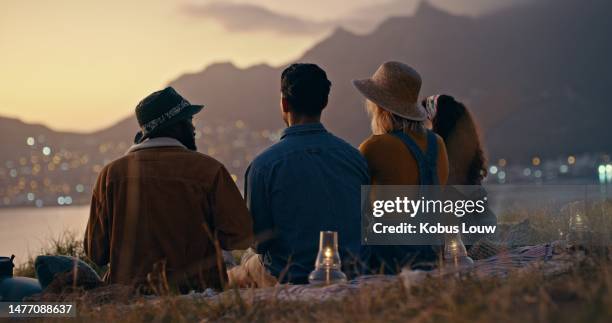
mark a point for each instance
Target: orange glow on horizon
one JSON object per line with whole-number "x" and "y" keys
{"x": 82, "y": 66}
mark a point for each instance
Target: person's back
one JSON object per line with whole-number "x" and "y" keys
{"x": 314, "y": 181}
{"x": 157, "y": 211}
{"x": 454, "y": 123}
{"x": 400, "y": 152}
{"x": 392, "y": 163}
{"x": 308, "y": 182}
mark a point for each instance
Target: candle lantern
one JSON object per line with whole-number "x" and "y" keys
{"x": 327, "y": 266}
{"x": 455, "y": 252}
{"x": 578, "y": 229}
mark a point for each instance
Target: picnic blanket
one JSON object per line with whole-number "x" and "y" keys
{"x": 548, "y": 259}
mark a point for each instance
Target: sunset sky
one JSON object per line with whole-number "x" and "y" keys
{"x": 83, "y": 65}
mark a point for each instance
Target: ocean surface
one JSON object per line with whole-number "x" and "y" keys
{"x": 24, "y": 231}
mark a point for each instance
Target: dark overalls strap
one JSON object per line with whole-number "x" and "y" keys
{"x": 427, "y": 162}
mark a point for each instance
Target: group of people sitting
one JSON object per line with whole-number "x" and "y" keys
{"x": 166, "y": 213}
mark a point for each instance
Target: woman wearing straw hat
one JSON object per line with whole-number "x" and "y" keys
{"x": 401, "y": 150}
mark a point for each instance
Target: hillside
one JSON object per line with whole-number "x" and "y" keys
{"x": 517, "y": 69}
{"x": 535, "y": 77}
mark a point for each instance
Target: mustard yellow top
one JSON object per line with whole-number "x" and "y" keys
{"x": 391, "y": 163}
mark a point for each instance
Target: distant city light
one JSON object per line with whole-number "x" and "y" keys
{"x": 502, "y": 162}
{"x": 46, "y": 151}
{"x": 609, "y": 172}
{"x": 61, "y": 200}
{"x": 39, "y": 203}
{"x": 563, "y": 169}
{"x": 537, "y": 173}
{"x": 571, "y": 160}
{"x": 535, "y": 161}
{"x": 501, "y": 175}
{"x": 493, "y": 170}
{"x": 80, "y": 188}
{"x": 68, "y": 200}
{"x": 30, "y": 141}
{"x": 602, "y": 173}
{"x": 30, "y": 196}
{"x": 527, "y": 172}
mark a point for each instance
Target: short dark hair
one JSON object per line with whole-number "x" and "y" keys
{"x": 306, "y": 88}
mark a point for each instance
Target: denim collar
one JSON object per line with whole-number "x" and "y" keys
{"x": 303, "y": 129}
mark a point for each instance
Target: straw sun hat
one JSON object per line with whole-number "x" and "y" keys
{"x": 394, "y": 87}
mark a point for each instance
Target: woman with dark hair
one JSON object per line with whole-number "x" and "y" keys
{"x": 452, "y": 121}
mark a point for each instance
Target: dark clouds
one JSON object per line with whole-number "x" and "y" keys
{"x": 242, "y": 17}
{"x": 247, "y": 17}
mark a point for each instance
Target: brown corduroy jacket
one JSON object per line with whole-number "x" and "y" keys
{"x": 155, "y": 214}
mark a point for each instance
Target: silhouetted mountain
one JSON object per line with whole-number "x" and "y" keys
{"x": 14, "y": 133}
{"x": 231, "y": 94}
{"x": 535, "y": 77}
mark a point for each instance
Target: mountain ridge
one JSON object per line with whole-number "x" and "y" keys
{"x": 516, "y": 69}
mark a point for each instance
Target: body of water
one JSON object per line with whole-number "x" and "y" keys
{"x": 24, "y": 231}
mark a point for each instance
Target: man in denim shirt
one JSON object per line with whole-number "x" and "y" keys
{"x": 308, "y": 182}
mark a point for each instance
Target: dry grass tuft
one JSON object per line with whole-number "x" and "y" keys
{"x": 582, "y": 295}
{"x": 67, "y": 244}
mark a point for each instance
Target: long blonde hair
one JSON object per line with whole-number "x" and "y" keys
{"x": 384, "y": 121}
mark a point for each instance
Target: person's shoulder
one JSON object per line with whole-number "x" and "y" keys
{"x": 439, "y": 138}
{"x": 114, "y": 165}
{"x": 181, "y": 156}
{"x": 440, "y": 142}
{"x": 343, "y": 143}
{"x": 376, "y": 142}
{"x": 269, "y": 156}
{"x": 202, "y": 158}
{"x": 206, "y": 166}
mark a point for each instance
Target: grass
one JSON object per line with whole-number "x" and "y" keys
{"x": 583, "y": 294}
{"x": 66, "y": 244}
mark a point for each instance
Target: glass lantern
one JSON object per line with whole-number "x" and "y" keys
{"x": 455, "y": 252}
{"x": 327, "y": 266}
{"x": 578, "y": 229}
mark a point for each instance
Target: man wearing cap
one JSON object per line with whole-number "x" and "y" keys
{"x": 161, "y": 214}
